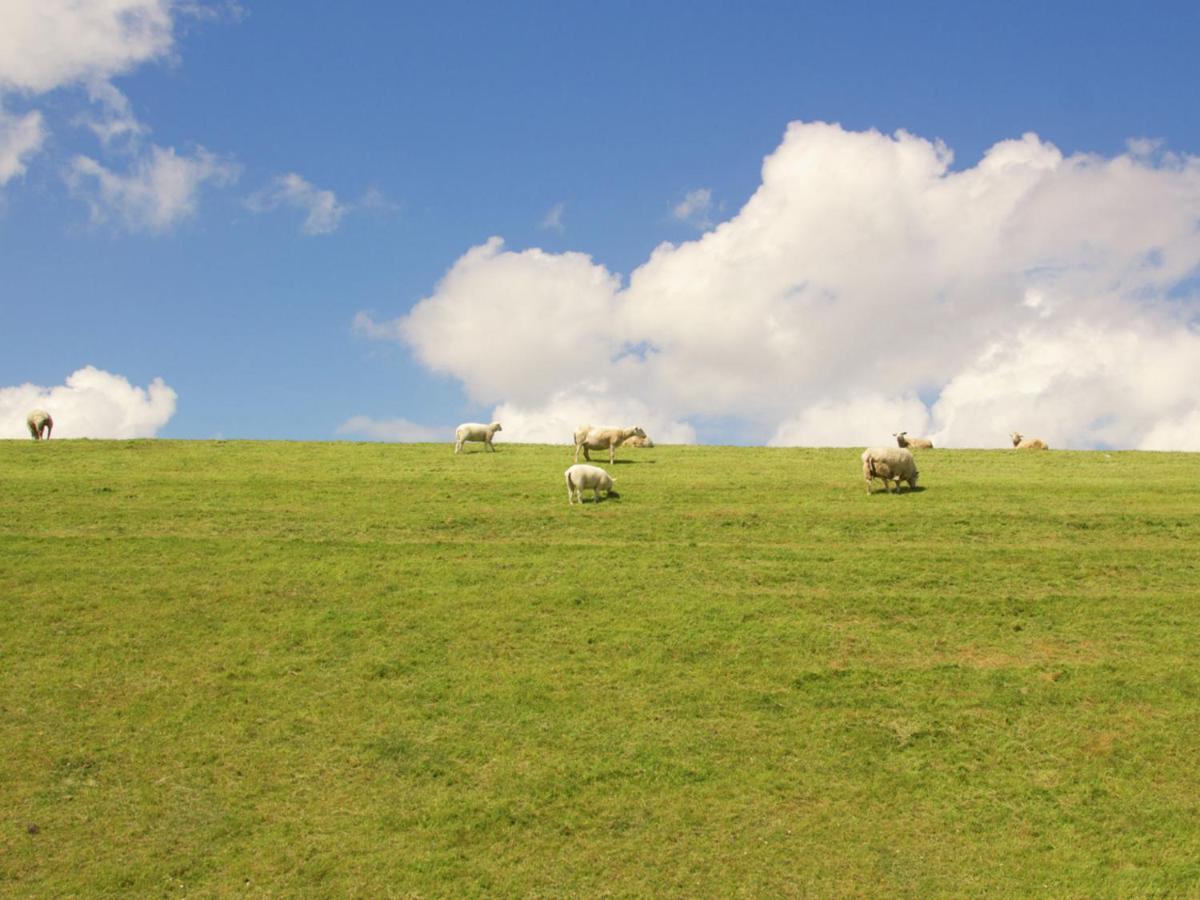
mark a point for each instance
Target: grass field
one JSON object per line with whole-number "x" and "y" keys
{"x": 301, "y": 669}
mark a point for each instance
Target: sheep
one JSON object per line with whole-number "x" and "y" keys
{"x": 903, "y": 440}
{"x": 589, "y": 438}
{"x": 39, "y": 422}
{"x": 635, "y": 441}
{"x": 474, "y": 431}
{"x": 581, "y": 477}
{"x": 1023, "y": 443}
{"x": 889, "y": 464}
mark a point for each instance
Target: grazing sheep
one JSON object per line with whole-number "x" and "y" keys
{"x": 903, "y": 440}
{"x": 1023, "y": 443}
{"x": 889, "y": 464}
{"x": 589, "y": 438}
{"x": 40, "y": 424}
{"x": 581, "y": 478}
{"x": 474, "y": 431}
{"x": 635, "y": 441}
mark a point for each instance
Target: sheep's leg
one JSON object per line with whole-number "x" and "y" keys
{"x": 49, "y": 428}
{"x": 458, "y": 446}
{"x": 595, "y": 495}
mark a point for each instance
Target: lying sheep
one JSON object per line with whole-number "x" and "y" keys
{"x": 581, "y": 478}
{"x": 635, "y": 441}
{"x": 589, "y": 438}
{"x": 889, "y": 464}
{"x": 474, "y": 431}
{"x": 40, "y": 424}
{"x": 903, "y": 440}
{"x": 1024, "y": 443}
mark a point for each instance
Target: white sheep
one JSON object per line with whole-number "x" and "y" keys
{"x": 1023, "y": 443}
{"x": 903, "y": 440}
{"x": 39, "y": 422}
{"x": 581, "y": 478}
{"x": 589, "y": 438}
{"x": 475, "y": 431}
{"x": 635, "y": 441}
{"x": 889, "y": 464}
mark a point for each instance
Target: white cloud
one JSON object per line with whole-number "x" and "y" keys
{"x": 510, "y": 324}
{"x": 115, "y": 120}
{"x": 400, "y": 430}
{"x": 158, "y": 192}
{"x": 696, "y": 208}
{"x": 322, "y": 211}
{"x": 92, "y": 403}
{"x": 364, "y": 324}
{"x": 555, "y": 421}
{"x": 1034, "y": 292}
{"x": 866, "y": 419}
{"x": 20, "y": 138}
{"x": 48, "y": 44}
{"x": 553, "y": 220}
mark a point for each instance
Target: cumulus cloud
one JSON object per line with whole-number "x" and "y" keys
{"x": 20, "y": 138}
{"x": 695, "y": 208}
{"x": 91, "y": 403}
{"x": 47, "y": 44}
{"x": 160, "y": 190}
{"x": 555, "y": 420}
{"x": 322, "y": 211}
{"x": 1032, "y": 291}
{"x": 399, "y": 430}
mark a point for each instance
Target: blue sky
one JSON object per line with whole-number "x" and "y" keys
{"x": 436, "y": 127}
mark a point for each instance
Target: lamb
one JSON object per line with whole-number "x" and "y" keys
{"x": 590, "y": 438}
{"x": 903, "y": 440}
{"x": 635, "y": 441}
{"x": 40, "y": 424}
{"x": 580, "y": 478}
{"x": 1023, "y": 443}
{"x": 474, "y": 431}
{"x": 889, "y": 464}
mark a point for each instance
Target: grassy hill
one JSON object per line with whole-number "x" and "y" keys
{"x": 378, "y": 669}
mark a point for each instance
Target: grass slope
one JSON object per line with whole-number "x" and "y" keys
{"x": 387, "y": 670}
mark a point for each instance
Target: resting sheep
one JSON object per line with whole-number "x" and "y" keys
{"x": 889, "y": 464}
{"x": 1023, "y": 443}
{"x": 589, "y": 438}
{"x": 474, "y": 431}
{"x": 635, "y": 441}
{"x": 581, "y": 478}
{"x": 903, "y": 440}
{"x": 39, "y": 421}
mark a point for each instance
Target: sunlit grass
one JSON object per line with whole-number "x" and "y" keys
{"x": 376, "y": 669}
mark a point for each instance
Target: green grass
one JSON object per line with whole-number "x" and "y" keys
{"x": 377, "y": 670}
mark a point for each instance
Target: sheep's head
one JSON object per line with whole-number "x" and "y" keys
{"x": 901, "y": 438}
{"x": 496, "y": 426}
{"x": 638, "y": 431}
{"x": 1016, "y": 437}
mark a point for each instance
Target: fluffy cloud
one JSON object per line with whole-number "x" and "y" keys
{"x": 159, "y": 191}
{"x": 20, "y": 138}
{"x": 555, "y": 420}
{"x": 92, "y": 403}
{"x": 400, "y": 430}
{"x": 322, "y": 211}
{"x": 47, "y": 44}
{"x": 1033, "y": 291}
